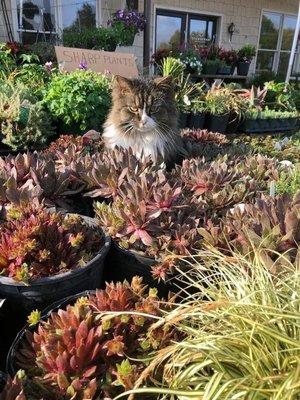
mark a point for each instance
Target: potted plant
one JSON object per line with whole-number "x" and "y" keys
{"x": 127, "y": 23}
{"x": 229, "y": 58}
{"x": 151, "y": 223}
{"x": 198, "y": 112}
{"x": 218, "y": 104}
{"x": 46, "y": 256}
{"x": 210, "y": 67}
{"x": 191, "y": 60}
{"x": 244, "y": 58}
{"x": 102, "y": 339}
{"x": 78, "y": 101}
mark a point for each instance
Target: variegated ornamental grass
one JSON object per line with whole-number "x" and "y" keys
{"x": 242, "y": 334}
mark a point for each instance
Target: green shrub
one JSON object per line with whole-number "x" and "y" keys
{"x": 44, "y": 50}
{"x": 24, "y": 124}
{"x": 95, "y": 38}
{"x": 80, "y": 98}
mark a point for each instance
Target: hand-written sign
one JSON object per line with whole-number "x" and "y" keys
{"x": 99, "y": 61}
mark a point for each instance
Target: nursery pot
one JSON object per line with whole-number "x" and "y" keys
{"x": 225, "y": 70}
{"x": 11, "y": 366}
{"x": 210, "y": 69}
{"x": 124, "y": 265}
{"x": 250, "y": 126}
{"x": 218, "y": 123}
{"x": 243, "y": 68}
{"x": 233, "y": 123}
{"x": 183, "y": 120}
{"x": 42, "y": 292}
{"x": 232, "y": 69}
{"x": 197, "y": 121}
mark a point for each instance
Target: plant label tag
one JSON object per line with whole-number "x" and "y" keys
{"x": 70, "y": 59}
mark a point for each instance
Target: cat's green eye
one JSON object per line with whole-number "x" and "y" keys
{"x": 133, "y": 109}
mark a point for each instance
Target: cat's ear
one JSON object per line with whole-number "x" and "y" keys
{"x": 122, "y": 84}
{"x": 164, "y": 81}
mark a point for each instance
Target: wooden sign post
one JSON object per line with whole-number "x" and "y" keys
{"x": 99, "y": 61}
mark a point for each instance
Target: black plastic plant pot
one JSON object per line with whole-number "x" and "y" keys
{"x": 225, "y": 70}
{"x": 250, "y": 126}
{"x": 11, "y": 366}
{"x": 234, "y": 123}
{"x": 243, "y": 68}
{"x": 124, "y": 265}
{"x": 197, "y": 121}
{"x": 42, "y": 292}
{"x": 183, "y": 120}
{"x": 210, "y": 69}
{"x": 264, "y": 124}
{"x": 218, "y": 123}
{"x": 232, "y": 69}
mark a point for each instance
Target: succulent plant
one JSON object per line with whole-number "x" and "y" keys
{"x": 204, "y": 136}
{"x": 96, "y": 347}
{"x": 216, "y": 185}
{"x": 103, "y": 173}
{"x": 35, "y": 243}
{"x": 270, "y": 227}
{"x": 13, "y": 390}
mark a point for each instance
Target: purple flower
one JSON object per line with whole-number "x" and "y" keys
{"x": 48, "y": 65}
{"x": 131, "y": 19}
{"x": 82, "y": 66}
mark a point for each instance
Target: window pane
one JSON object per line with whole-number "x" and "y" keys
{"x": 198, "y": 31}
{"x": 284, "y": 62}
{"x": 289, "y": 25}
{"x": 269, "y": 31}
{"x": 81, "y": 15}
{"x": 265, "y": 60}
{"x": 37, "y": 15}
{"x": 168, "y": 31}
{"x": 296, "y": 69}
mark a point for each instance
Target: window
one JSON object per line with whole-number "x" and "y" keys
{"x": 36, "y": 20}
{"x": 174, "y": 28}
{"x": 275, "y": 43}
{"x": 43, "y": 20}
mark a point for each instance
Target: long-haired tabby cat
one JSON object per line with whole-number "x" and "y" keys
{"x": 144, "y": 117}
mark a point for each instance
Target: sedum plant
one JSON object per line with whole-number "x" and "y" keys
{"x": 98, "y": 347}
{"x": 35, "y": 243}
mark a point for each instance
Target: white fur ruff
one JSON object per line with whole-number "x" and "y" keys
{"x": 147, "y": 143}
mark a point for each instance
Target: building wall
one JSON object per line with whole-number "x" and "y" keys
{"x": 245, "y": 14}
{"x": 3, "y": 31}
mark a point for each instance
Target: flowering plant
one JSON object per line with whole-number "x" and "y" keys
{"x": 127, "y": 24}
{"x": 228, "y": 56}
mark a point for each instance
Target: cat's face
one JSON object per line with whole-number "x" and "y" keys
{"x": 141, "y": 106}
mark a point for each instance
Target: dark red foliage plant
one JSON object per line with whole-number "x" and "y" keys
{"x": 36, "y": 243}
{"x": 97, "y": 347}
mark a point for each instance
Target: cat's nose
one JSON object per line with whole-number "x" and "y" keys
{"x": 143, "y": 122}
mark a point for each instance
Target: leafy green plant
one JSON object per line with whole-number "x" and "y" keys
{"x": 289, "y": 182}
{"x": 102, "y": 343}
{"x": 280, "y": 96}
{"x": 24, "y": 123}
{"x": 218, "y": 100}
{"x": 81, "y": 97}
{"x": 36, "y": 243}
{"x": 100, "y": 38}
{"x": 44, "y": 51}
{"x": 241, "y": 335}
{"x": 246, "y": 53}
